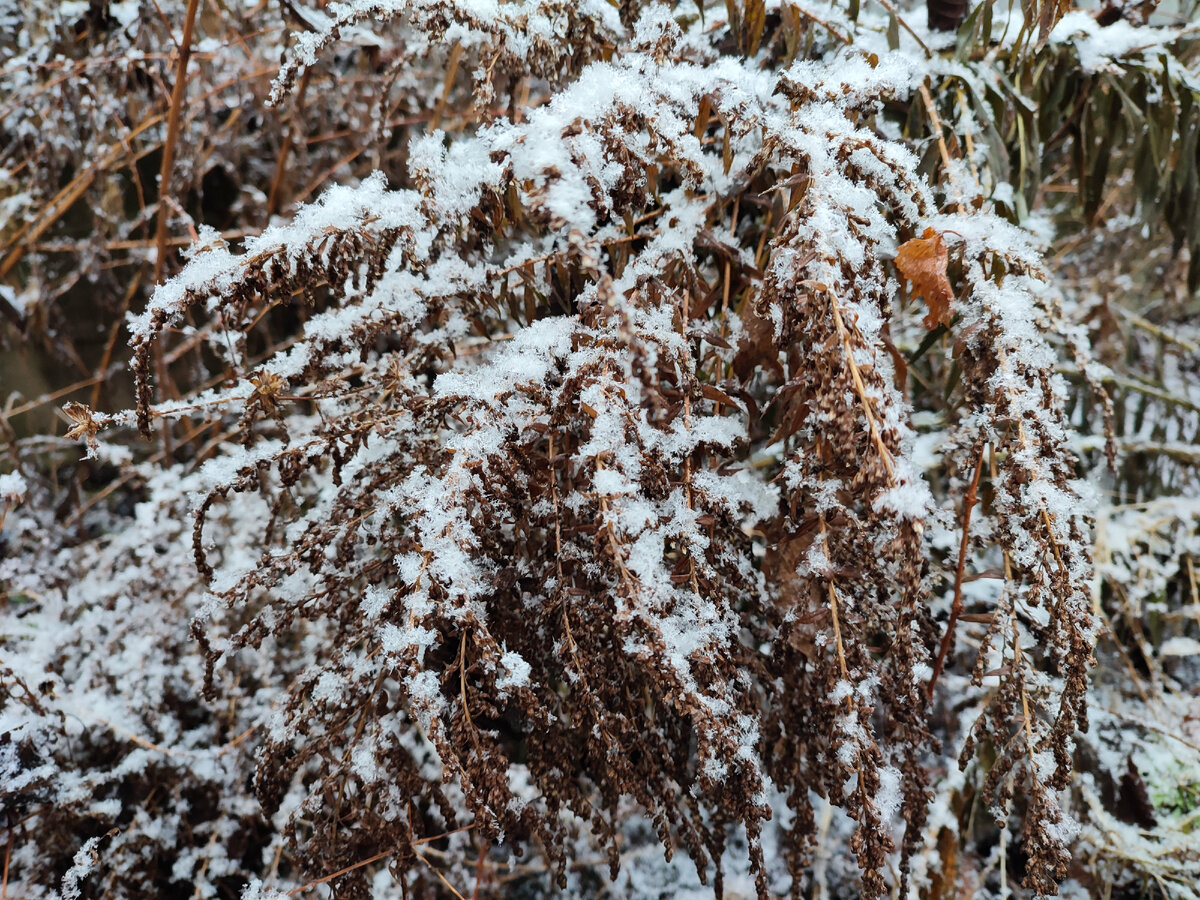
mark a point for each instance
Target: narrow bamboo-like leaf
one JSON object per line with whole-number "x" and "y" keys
{"x": 754, "y": 20}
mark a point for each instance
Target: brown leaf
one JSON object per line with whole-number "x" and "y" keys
{"x": 922, "y": 262}
{"x": 702, "y": 116}
{"x": 1133, "y": 801}
{"x": 978, "y": 618}
{"x": 716, "y": 395}
{"x": 754, "y": 20}
{"x": 757, "y": 346}
{"x": 84, "y": 425}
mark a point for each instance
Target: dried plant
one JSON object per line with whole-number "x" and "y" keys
{"x": 639, "y": 458}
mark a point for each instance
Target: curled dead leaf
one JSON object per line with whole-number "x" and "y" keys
{"x": 922, "y": 263}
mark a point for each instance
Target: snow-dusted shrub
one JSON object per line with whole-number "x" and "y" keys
{"x": 619, "y": 476}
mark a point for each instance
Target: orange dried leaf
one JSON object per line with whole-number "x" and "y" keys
{"x": 922, "y": 262}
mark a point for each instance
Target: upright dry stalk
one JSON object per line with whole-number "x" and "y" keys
{"x": 178, "y": 93}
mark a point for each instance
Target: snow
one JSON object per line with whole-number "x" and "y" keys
{"x": 84, "y": 862}
{"x": 1180, "y": 646}
{"x": 1100, "y": 48}
{"x": 516, "y": 672}
{"x": 256, "y": 890}
{"x": 466, "y": 430}
{"x": 12, "y": 487}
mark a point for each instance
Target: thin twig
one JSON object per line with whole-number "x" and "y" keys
{"x": 903, "y": 24}
{"x": 289, "y": 140}
{"x": 947, "y": 645}
{"x": 860, "y": 389}
{"x": 936, "y": 122}
{"x": 7, "y": 858}
{"x": 358, "y": 865}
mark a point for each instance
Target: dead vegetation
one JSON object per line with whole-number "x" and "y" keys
{"x": 668, "y": 446}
